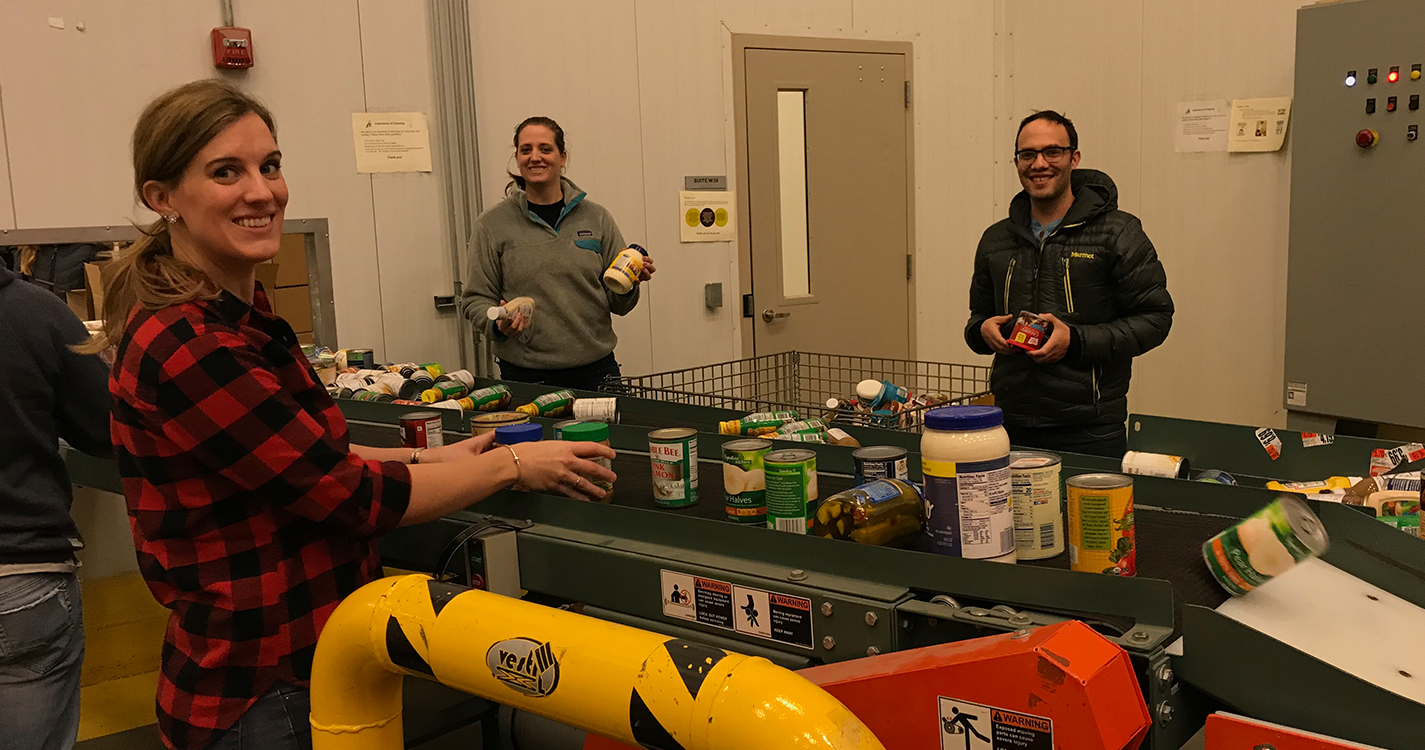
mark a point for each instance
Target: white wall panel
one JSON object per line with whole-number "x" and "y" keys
{"x": 71, "y": 99}
{"x": 1219, "y": 220}
{"x": 412, "y": 238}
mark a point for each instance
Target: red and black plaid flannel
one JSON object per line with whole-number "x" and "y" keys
{"x": 252, "y": 517}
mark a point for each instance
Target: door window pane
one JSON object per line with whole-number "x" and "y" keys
{"x": 792, "y": 161}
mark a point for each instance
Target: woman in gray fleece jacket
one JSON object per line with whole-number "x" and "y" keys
{"x": 547, "y": 241}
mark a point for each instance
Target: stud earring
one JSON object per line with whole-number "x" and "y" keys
{"x": 171, "y": 219}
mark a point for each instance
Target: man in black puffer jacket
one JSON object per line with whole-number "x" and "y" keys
{"x": 1067, "y": 253}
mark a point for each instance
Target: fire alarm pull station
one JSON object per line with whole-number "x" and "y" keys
{"x": 232, "y": 47}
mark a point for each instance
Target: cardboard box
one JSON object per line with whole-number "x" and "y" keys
{"x": 80, "y": 302}
{"x": 292, "y": 257}
{"x": 267, "y": 274}
{"x": 96, "y": 280}
{"x": 294, "y": 304}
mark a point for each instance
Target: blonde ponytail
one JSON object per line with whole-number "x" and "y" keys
{"x": 148, "y": 275}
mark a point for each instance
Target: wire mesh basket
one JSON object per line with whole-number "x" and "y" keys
{"x": 804, "y": 381}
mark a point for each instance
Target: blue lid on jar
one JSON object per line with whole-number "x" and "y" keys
{"x": 514, "y": 434}
{"x": 961, "y": 418}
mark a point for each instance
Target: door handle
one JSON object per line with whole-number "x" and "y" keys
{"x": 768, "y": 316}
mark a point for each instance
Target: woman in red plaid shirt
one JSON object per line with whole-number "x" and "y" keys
{"x": 252, "y": 513}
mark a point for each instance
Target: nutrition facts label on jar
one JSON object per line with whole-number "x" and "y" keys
{"x": 985, "y": 514}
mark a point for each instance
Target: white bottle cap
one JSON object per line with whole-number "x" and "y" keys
{"x": 494, "y": 313}
{"x": 868, "y": 390}
{"x": 833, "y": 403}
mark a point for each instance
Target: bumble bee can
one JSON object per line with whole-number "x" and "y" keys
{"x": 744, "y": 480}
{"x": 674, "y": 455}
{"x": 1101, "y": 538}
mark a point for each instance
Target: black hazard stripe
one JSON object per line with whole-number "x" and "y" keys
{"x": 694, "y": 661}
{"x": 441, "y": 593}
{"x": 647, "y": 731}
{"x": 402, "y": 653}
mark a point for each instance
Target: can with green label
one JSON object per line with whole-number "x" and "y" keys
{"x": 1265, "y": 545}
{"x": 791, "y": 489}
{"x": 494, "y": 398}
{"x": 444, "y": 391}
{"x": 673, "y": 453}
{"x": 744, "y": 480}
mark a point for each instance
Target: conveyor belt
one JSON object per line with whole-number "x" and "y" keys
{"x": 1169, "y": 542}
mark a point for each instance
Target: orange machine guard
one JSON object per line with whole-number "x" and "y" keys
{"x": 1232, "y": 732}
{"x": 1058, "y": 686}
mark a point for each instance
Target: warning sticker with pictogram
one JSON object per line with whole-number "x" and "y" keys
{"x": 971, "y": 726}
{"x": 749, "y": 611}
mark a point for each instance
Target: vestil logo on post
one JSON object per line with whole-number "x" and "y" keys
{"x": 528, "y": 666}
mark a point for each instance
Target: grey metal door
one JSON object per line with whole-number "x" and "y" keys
{"x": 829, "y": 203}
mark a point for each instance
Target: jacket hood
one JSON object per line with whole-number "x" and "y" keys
{"x": 1094, "y": 195}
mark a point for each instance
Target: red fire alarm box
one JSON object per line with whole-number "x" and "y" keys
{"x": 232, "y": 47}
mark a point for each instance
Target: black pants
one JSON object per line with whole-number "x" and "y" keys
{"x": 584, "y": 377}
{"x": 1110, "y": 440}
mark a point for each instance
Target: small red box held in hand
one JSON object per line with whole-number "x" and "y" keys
{"x": 1030, "y": 332}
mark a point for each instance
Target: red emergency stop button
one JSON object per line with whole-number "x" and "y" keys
{"x": 1367, "y": 138}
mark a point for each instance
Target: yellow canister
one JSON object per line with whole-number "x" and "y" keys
{"x": 1101, "y": 538}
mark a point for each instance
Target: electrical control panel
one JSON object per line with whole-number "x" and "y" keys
{"x": 1355, "y": 346}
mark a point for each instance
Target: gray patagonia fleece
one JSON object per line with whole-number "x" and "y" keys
{"x": 516, "y": 254}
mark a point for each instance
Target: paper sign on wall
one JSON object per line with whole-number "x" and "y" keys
{"x": 707, "y": 215}
{"x": 391, "y": 141}
{"x": 1258, "y": 124}
{"x": 1202, "y": 126}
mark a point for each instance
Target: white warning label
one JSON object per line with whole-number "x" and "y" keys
{"x": 971, "y": 726}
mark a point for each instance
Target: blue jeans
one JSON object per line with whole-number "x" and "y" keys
{"x": 279, "y": 720}
{"x": 41, "y": 651}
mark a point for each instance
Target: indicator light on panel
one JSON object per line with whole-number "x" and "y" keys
{"x": 1371, "y": 75}
{"x": 1414, "y": 102}
{"x": 1394, "y": 74}
{"x": 1350, "y": 78}
{"x": 1412, "y": 132}
{"x": 1415, "y": 72}
{"x": 1390, "y": 104}
{"x": 1367, "y": 138}
{"x": 1370, "y": 106}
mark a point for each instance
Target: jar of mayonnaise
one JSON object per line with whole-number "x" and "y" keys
{"x": 964, "y": 455}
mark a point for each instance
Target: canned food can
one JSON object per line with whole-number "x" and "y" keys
{"x": 1215, "y": 476}
{"x": 1034, "y": 493}
{"x": 463, "y": 376}
{"x": 488, "y": 421}
{"x": 1265, "y": 545}
{"x": 744, "y": 480}
{"x": 422, "y": 429}
{"x": 1155, "y": 465}
{"x": 408, "y": 402}
{"x": 596, "y": 409}
{"x": 433, "y": 368}
{"x": 451, "y": 404}
{"x": 364, "y": 359}
{"x": 494, "y": 398}
{"x": 558, "y": 426}
{"x": 1101, "y": 538}
{"x": 370, "y": 395}
{"x": 791, "y": 489}
{"x": 674, "y": 455}
{"x": 881, "y": 462}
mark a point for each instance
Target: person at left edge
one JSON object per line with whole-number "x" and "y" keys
{"x": 47, "y": 392}
{"x": 549, "y": 242}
